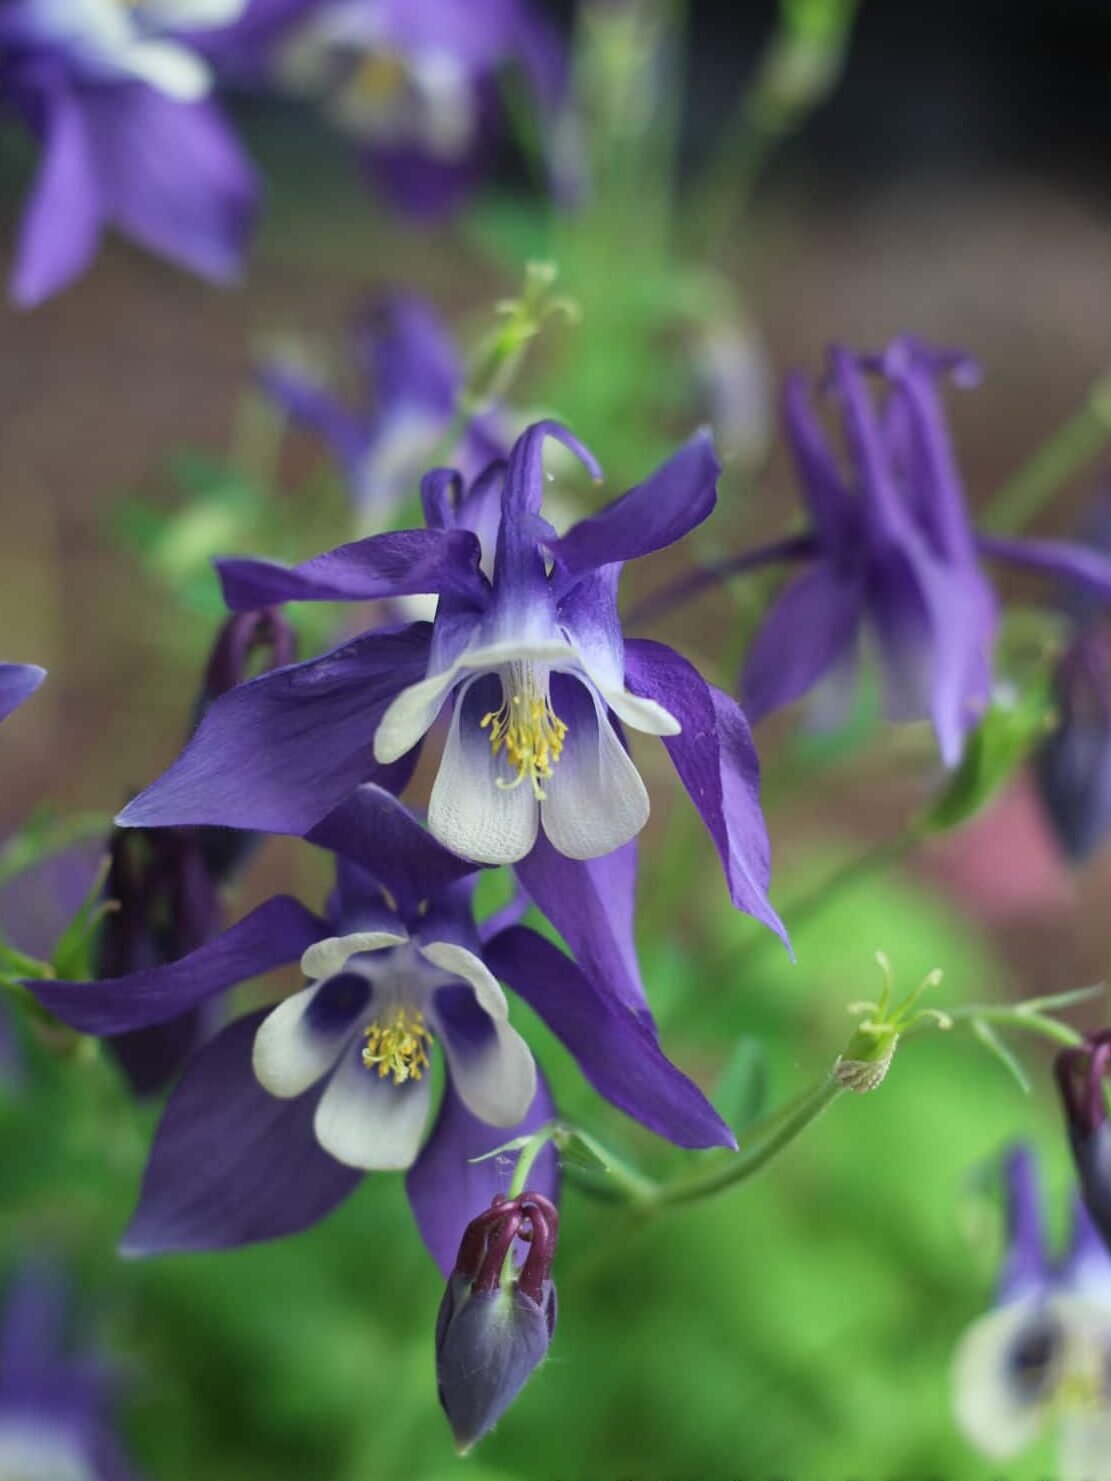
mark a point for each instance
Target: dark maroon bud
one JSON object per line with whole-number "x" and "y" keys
{"x": 1082, "y": 1080}
{"x": 494, "y": 1327}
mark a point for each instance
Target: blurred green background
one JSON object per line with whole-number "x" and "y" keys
{"x": 801, "y": 1326}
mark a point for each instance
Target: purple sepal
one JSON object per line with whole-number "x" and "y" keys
{"x": 273, "y": 935}
{"x": 18, "y": 681}
{"x": 279, "y": 752}
{"x": 804, "y": 635}
{"x": 717, "y": 764}
{"x": 616, "y": 1049}
{"x": 1079, "y": 566}
{"x": 1026, "y": 1266}
{"x": 231, "y": 1164}
{"x": 447, "y": 1189}
{"x": 1073, "y": 767}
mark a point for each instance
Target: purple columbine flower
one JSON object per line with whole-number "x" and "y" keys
{"x": 18, "y": 681}
{"x": 493, "y": 1329}
{"x": 1044, "y": 1352}
{"x": 119, "y": 103}
{"x": 527, "y": 652}
{"x": 55, "y": 1411}
{"x": 414, "y": 376}
{"x": 276, "y": 1119}
{"x": 1082, "y": 1079}
{"x": 416, "y": 83}
{"x": 1073, "y": 767}
{"x": 891, "y": 552}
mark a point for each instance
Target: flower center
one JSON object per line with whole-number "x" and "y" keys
{"x": 398, "y": 1046}
{"x": 380, "y": 79}
{"x": 526, "y": 728}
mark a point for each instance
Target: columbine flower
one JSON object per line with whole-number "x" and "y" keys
{"x": 1082, "y": 1078}
{"x": 118, "y": 101}
{"x": 55, "y": 1411}
{"x": 531, "y": 660}
{"x": 416, "y": 84}
{"x": 1073, "y": 767}
{"x": 1044, "y": 1353}
{"x": 494, "y": 1328}
{"x": 276, "y": 1118}
{"x": 18, "y": 681}
{"x": 892, "y": 553}
{"x": 414, "y": 377}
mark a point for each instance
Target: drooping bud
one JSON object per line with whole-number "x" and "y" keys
{"x": 1081, "y": 1078}
{"x": 1074, "y": 765}
{"x": 496, "y": 1320}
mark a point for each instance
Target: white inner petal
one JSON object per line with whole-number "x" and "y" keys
{"x": 291, "y": 1052}
{"x": 41, "y": 1451}
{"x": 172, "y": 69}
{"x": 497, "y": 1081}
{"x": 641, "y": 714}
{"x": 460, "y": 962}
{"x": 992, "y": 1409}
{"x": 408, "y": 719}
{"x": 595, "y": 798}
{"x": 364, "y": 1120}
{"x": 327, "y": 958}
{"x": 181, "y": 14}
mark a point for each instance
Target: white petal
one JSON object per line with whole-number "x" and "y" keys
{"x": 496, "y": 1080}
{"x": 595, "y": 800}
{"x": 40, "y": 1448}
{"x": 365, "y": 1120}
{"x": 326, "y": 958}
{"x": 990, "y": 1406}
{"x": 172, "y": 69}
{"x": 644, "y": 715}
{"x": 1085, "y": 1451}
{"x": 291, "y": 1051}
{"x": 500, "y": 655}
{"x": 463, "y": 963}
{"x": 181, "y": 14}
{"x": 468, "y": 812}
{"x": 408, "y": 719}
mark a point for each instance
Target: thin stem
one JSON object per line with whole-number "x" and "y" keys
{"x": 1084, "y": 436}
{"x": 527, "y": 1158}
{"x": 1016, "y": 1017}
{"x": 793, "y": 548}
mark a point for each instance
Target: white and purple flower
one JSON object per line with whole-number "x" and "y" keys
{"x": 274, "y": 1122}
{"x": 119, "y": 101}
{"x": 1043, "y": 1354}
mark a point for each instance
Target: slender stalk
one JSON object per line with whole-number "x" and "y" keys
{"x": 659, "y": 603}
{"x": 527, "y": 1159}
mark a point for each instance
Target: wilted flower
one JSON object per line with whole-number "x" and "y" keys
{"x": 55, "y": 1411}
{"x": 893, "y": 554}
{"x": 528, "y": 653}
{"x": 413, "y": 376}
{"x": 496, "y": 1320}
{"x": 277, "y": 1117}
{"x": 18, "y": 681}
{"x": 416, "y": 84}
{"x": 1082, "y": 1078}
{"x": 1043, "y": 1354}
{"x": 119, "y": 102}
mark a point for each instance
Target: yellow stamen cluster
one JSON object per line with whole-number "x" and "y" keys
{"x": 398, "y": 1047}
{"x": 531, "y": 734}
{"x": 380, "y": 78}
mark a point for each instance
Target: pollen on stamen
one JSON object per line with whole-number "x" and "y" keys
{"x": 531, "y": 734}
{"x": 398, "y": 1047}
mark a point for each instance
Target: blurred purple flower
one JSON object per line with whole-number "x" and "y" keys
{"x": 891, "y": 552}
{"x": 526, "y": 647}
{"x": 417, "y": 83}
{"x": 1044, "y": 1352}
{"x": 493, "y": 1331}
{"x": 413, "y": 378}
{"x": 1083, "y": 1074}
{"x": 55, "y": 1411}
{"x": 18, "y": 681}
{"x": 118, "y": 101}
{"x": 276, "y": 1119}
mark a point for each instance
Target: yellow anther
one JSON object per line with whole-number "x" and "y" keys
{"x": 398, "y": 1047}
{"x": 529, "y": 731}
{"x": 380, "y": 78}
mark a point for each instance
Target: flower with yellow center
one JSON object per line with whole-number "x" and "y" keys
{"x": 398, "y": 1047}
{"x": 527, "y": 729}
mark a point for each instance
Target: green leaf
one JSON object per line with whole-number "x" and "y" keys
{"x": 579, "y": 1149}
{"x": 1006, "y": 1057}
{"x": 741, "y": 1092}
{"x": 73, "y": 955}
{"x": 995, "y": 751}
{"x": 516, "y": 1145}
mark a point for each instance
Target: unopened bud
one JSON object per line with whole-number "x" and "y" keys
{"x": 495, "y": 1321}
{"x": 1081, "y": 1079}
{"x": 867, "y": 1058}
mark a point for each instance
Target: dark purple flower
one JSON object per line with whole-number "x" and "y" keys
{"x": 416, "y": 84}
{"x": 891, "y": 552}
{"x": 55, "y": 1411}
{"x": 1082, "y": 1078}
{"x": 1043, "y": 1352}
{"x": 493, "y": 1329}
{"x": 413, "y": 376}
{"x": 527, "y": 652}
{"x": 118, "y": 101}
{"x": 18, "y": 681}
{"x": 275, "y": 1120}
{"x": 1073, "y": 768}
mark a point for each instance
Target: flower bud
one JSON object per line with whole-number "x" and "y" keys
{"x": 1074, "y": 765}
{"x": 1081, "y": 1075}
{"x": 495, "y": 1321}
{"x": 867, "y": 1058}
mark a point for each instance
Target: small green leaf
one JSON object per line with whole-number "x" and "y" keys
{"x": 992, "y": 1042}
{"x": 579, "y": 1149}
{"x": 741, "y": 1092}
{"x": 516, "y": 1145}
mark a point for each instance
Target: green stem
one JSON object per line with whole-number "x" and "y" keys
{"x": 527, "y": 1158}
{"x": 1083, "y": 437}
{"x": 1034, "y": 1023}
